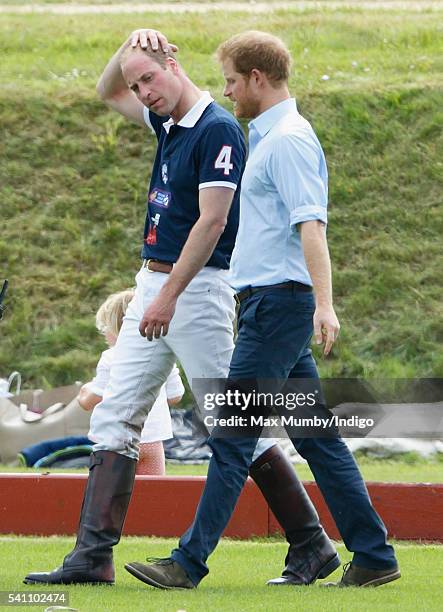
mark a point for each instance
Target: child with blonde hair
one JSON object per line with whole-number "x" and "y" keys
{"x": 157, "y": 426}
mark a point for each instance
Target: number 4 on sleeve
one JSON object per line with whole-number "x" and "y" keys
{"x": 223, "y": 160}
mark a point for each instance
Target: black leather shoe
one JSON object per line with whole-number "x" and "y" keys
{"x": 105, "y": 502}
{"x": 355, "y": 576}
{"x": 63, "y": 576}
{"x": 161, "y": 574}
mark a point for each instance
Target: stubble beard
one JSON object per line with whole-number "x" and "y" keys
{"x": 247, "y": 110}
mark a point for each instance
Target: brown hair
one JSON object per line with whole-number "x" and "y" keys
{"x": 158, "y": 56}
{"x": 259, "y": 50}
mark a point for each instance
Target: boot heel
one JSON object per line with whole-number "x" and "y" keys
{"x": 329, "y": 567}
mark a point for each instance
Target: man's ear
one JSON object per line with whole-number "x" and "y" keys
{"x": 257, "y": 77}
{"x": 173, "y": 66}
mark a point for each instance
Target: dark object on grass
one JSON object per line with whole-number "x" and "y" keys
{"x": 67, "y": 452}
{"x": 2, "y": 295}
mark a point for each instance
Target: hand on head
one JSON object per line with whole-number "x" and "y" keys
{"x": 156, "y": 39}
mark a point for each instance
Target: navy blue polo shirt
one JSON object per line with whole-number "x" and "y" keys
{"x": 206, "y": 148}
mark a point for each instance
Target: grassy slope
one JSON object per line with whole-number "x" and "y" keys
{"x": 73, "y": 180}
{"x": 238, "y": 572}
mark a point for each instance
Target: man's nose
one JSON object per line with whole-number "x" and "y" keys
{"x": 145, "y": 92}
{"x": 227, "y": 91}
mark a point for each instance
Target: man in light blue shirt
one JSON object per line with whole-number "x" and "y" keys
{"x": 282, "y": 274}
{"x": 285, "y": 183}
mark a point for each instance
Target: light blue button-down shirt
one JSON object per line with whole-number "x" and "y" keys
{"x": 285, "y": 183}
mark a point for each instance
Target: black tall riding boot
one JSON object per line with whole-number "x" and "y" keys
{"x": 106, "y": 500}
{"x": 311, "y": 554}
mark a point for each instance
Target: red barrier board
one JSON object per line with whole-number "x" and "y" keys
{"x": 49, "y": 504}
{"x": 410, "y": 511}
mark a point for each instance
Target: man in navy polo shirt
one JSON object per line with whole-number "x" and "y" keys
{"x": 281, "y": 270}
{"x": 183, "y": 306}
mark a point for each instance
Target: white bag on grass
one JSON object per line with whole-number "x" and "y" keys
{"x": 59, "y": 415}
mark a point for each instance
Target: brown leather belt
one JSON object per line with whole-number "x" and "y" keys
{"x": 155, "y": 265}
{"x": 293, "y": 286}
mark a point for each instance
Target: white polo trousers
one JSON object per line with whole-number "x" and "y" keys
{"x": 200, "y": 336}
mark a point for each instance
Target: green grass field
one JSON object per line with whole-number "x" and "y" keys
{"x": 73, "y": 179}
{"x": 238, "y": 573}
{"x": 411, "y": 469}
{"x": 406, "y": 468}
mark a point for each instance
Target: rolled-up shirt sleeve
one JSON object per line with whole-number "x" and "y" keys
{"x": 298, "y": 170}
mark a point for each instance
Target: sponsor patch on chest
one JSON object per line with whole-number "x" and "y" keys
{"x": 159, "y": 197}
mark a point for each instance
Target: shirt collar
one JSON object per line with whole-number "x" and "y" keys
{"x": 266, "y": 120}
{"x": 193, "y": 114}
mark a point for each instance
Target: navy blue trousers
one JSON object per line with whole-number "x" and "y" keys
{"x": 274, "y": 333}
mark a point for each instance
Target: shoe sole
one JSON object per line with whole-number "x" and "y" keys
{"x": 323, "y": 572}
{"x": 92, "y": 583}
{"x": 330, "y": 567}
{"x": 372, "y": 583}
{"x": 383, "y": 579}
{"x": 137, "y": 574}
